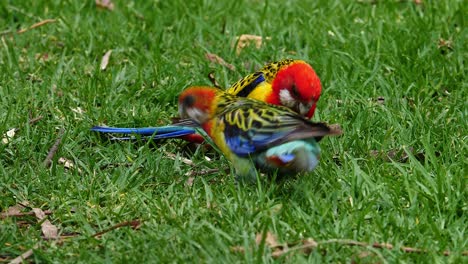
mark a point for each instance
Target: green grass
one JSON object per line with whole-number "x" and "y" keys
{"x": 361, "y": 50}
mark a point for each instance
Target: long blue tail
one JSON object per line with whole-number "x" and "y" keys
{"x": 148, "y": 132}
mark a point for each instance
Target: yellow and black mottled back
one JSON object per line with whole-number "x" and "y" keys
{"x": 271, "y": 69}
{"x": 232, "y": 105}
{"x": 250, "y": 125}
{"x": 245, "y": 86}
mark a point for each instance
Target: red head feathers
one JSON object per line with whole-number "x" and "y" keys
{"x": 298, "y": 87}
{"x": 196, "y": 103}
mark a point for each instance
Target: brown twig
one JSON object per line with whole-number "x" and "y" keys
{"x": 62, "y": 237}
{"x": 349, "y": 242}
{"x": 35, "y": 120}
{"x": 53, "y": 149}
{"x": 115, "y": 165}
{"x": 202, "y": 172}
{"x": 306, "y": 246}
{"x": 36, "y": 25}
{"x": 14, "y": 130}
{"x": 24, "y": 256}
{"x": 5, "y": 215}
{"x": 134, "y": 224}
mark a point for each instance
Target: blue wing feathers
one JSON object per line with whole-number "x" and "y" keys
{"x": 242, "y": 143}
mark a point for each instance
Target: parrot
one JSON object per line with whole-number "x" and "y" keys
{"x": 288, "y": 82}
{"x": 253, "y": 134}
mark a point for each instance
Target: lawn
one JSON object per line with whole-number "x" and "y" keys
{"x": 393, "y": 75}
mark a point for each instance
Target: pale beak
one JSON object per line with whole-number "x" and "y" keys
{"x": 305, "y": 107}
{"x": 182, "y": 112}
{"x": 194, "y": 114}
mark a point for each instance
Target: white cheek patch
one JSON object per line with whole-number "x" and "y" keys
{"x": 286, "y": 98}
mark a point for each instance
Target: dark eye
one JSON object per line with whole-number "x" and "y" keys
{"x": 294, "y": 91}
{"x": 189, "y": 101}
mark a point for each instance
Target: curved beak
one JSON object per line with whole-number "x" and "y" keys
{"x": 304, "y": 107}
{"x": 182, "y": 112}
{"x": 193, "y": 113}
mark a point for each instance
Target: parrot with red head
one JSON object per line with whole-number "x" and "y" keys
{"x": 290, "y": 83}
{"x": 253, "y": 134}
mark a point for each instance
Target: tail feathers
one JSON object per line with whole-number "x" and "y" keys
{"x": 155, "y": 132}
{"x": 193, "y": 138}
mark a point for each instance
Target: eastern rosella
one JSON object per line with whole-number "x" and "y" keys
{"x": 247, "y": 130}
{"x": 291, "y": 83}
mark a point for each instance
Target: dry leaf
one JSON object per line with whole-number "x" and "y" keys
{"x": 105, "y": 60}
{"x": 309, "y": 244}
{"x": 40, "y": 215}
{"x": 245, "y": 40}
{"x": 8, "y": 136}
{"x": 270, "y": 239}
{"x": 43, "y": 57}
{"x": 105, "y": 4}
{"x": 68, "y": 164}
{"x": 445, "y": 45}
{"x": 216, "y": 59}
{"x": 176, "y": 157}
{"x": 78, "y": 113}
{"x": 381, "y": 100}
{"x": 78, "y": 110}
{"x": 189, "y": 182}
{"x": 48, "y": 229}
{"x": 12, "y": 210}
